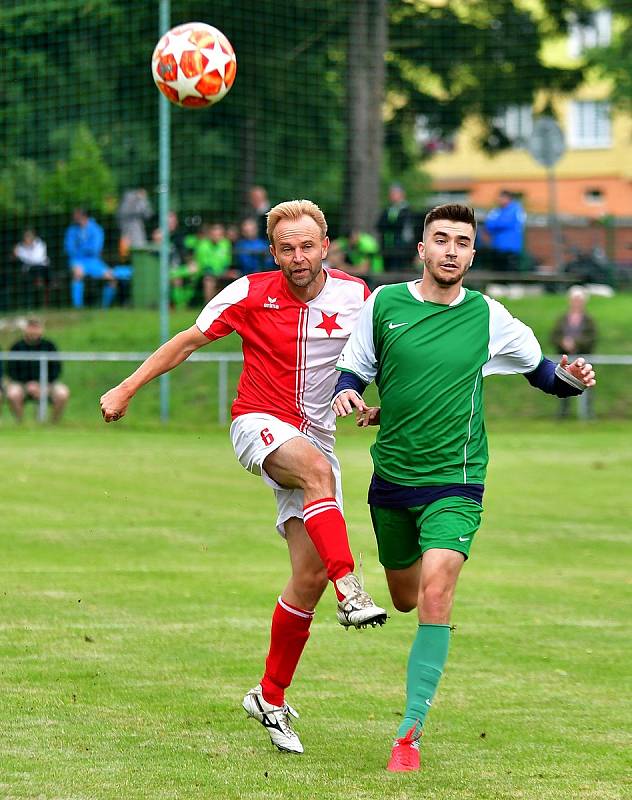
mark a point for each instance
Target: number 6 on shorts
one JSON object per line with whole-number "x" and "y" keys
{"x": 266, "y": 436}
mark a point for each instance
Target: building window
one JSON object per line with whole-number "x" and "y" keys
{"x": 516, "y": 122}
{"x": 593, "y": 197}
{"x": 595, "y": 30}
{"x": 589, "y": 125}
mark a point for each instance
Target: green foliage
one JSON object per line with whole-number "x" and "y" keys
{"x": 615, "y": 61}
{"x": 453, "y": 60}
{"x": 83, "y": 179}
{"x": 21, "y": 187}
{"x": 140, "y": 571}
{"x": 70, "y": 63}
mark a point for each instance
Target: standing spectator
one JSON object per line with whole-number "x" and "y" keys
{"x": 396, "y": 229}
{"x": 133, "y": 211}
{"x": 33, "y": 267}
{"x": 259, "y": 205}
{"x": 575, "y": 333}
{"x": 83, "y": 244}
{"x": 505, "y": 228}
{"x": 24, "y": 376}
{"x": 218, "y": 261}
{"x": 251, "y": 253}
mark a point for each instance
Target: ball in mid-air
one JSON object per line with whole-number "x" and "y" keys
{"x": 194, "y": 65}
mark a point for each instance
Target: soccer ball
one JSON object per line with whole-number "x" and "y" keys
{"x": 194, "y": 65}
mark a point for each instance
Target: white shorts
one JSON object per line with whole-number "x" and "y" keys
{"x": 254, "y": 437}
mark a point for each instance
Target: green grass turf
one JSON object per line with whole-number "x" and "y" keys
{"x": 194, "y": 386}
{"x": 139, "y": 572}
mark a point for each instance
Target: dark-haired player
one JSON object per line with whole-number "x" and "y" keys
{"x": 428, "y": 344}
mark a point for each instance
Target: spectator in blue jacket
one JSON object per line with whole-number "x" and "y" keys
{"x": 83, "y": 244}
{"x": 505, "y": 227}
{"x": 250, "y": 253}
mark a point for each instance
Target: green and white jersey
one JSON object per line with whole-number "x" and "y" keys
{"x": 428, "y": 361}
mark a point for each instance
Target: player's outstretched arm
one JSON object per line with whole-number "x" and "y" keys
{"x": 563, "y": 379}
{"x": 114, "y": 403}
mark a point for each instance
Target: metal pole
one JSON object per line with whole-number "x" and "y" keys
{"x": 554, "y": 223}
{"x": 222, "y": 392}
{"x": 42, "y": 407}
{"x": 164, "y": 169}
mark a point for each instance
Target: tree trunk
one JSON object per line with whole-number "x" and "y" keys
{"x": 366, "y": 71}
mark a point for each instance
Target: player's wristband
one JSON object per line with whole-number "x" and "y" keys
{"x": 566, "y": 376}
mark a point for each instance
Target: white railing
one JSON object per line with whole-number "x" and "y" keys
{"x": 222, "y": 359}
{"x": 44, "y": 358}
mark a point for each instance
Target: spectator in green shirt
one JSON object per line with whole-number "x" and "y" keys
{"x": 362, "y": 253}
{"x": 211, "y": 259}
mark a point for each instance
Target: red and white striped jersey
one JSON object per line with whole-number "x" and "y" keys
{"x": 290, "y": 348}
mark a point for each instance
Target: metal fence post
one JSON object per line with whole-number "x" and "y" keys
{"x": 42, "y": 407}
{"x": 222, "y": 392}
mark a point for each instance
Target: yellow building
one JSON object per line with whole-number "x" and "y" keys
{"x": 594, "y": 176}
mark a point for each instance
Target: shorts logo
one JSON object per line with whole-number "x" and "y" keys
{"x": 272, "y": 303}
{"x": 393, "y": 325}
{"x": 464, "y": 538}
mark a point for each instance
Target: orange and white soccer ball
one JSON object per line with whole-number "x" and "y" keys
{"x": 194, "y": 65}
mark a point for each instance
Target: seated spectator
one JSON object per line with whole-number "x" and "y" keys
{"x": 33, "y": 268}
{"x": 363, "y": 254}
{"x": 336, "y": 255}
{"x": 183, "y": 271}
{"x": 251, "y": 253}
{"x": 24, "y": 376}
{"x": 212, "y": 258}
{"x": 83, "y": 244}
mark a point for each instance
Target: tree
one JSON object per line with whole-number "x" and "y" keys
{"x": 366, "y": 73}
{"x": 84, "y": 179}
{"x": 317, "y": 87}
{"x": 455, "y": 60}
{"x": 615, "y": 60}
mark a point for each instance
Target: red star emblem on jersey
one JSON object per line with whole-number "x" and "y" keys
{"x": 329, "y": 323}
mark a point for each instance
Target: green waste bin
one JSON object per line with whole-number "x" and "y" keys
{"x": 146, "y": 277}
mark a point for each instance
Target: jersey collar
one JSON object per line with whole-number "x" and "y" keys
{"x": 412, "y": 288}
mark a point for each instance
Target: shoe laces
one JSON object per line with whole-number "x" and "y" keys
{"x": 283, "y": 716}
{"x": 357, "y": 597}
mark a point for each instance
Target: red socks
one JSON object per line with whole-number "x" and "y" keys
{"x": 327, "y": 529}
{"x": 288, "y": 637}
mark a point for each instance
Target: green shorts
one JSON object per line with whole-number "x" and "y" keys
{"x": 404, "y": 534}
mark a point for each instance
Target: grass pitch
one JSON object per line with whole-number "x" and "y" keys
{"x": 139, "y": 572}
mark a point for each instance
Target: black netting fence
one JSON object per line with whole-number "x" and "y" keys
{"x": 333, "y": 100}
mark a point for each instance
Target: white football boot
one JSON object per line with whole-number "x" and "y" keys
{"x": 357, "y": 609}
{"x": 275, "y": 719}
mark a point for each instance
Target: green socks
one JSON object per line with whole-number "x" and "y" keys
{"x": 425, "y": 667}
